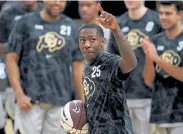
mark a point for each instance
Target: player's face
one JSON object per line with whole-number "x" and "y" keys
{"x": 169, "y": 16}
{"x": 90, "y": 43}
{"x": 88, "y": 10}
{"x": 133, "y": 4}
{"x": 55, "y": 7}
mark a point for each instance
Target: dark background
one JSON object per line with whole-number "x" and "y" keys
{"x": 115, "y": 7}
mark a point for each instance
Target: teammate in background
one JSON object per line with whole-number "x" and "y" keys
{"x": 164, "y": 67}
{"x": 7, "y": 20}
{"x": 107, "y": 111}
{"x": 42, "y": 46}
{"x": 136, "y": 23}
{"x": 89, "y": 12}
{"x": 11, "y": 15}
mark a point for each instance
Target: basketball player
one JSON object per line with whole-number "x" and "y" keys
{"x": 42, "y": 46}
{"x": 13, "y": 14}
{"x": 136, "y": 23}
{"x": 7, "y": 20}
{"x": 107, "y": 111}
{"x": 164, "y": 67}
{"x": 88, "y": 11}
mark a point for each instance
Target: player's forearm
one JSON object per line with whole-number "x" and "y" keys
{"x": 128, "y": 61}
{"x": 175, "y": 72}
{"x": 14, "y": 76}
{"x": 77, "y": 76}
{"x": 149, "y": 72}
{"x": 3, "y": 47}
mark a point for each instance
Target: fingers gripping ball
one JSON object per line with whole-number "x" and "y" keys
{"x": 73, "y": 117}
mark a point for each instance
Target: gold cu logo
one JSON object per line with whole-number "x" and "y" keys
{"x": 89, "y": 87}
{"x": 52, "y": 41}
{"x": 134, "y": 37}
{"x": 170, "y": 57}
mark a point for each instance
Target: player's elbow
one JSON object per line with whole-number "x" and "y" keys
{"x": 11, "y": 60}
{"x": 132, "y": 64}
{"x": 148, "y": 82}
{"x": 128, "y": 65}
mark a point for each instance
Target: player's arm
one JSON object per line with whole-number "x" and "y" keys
{"x": 151, "y": 53}
{"x": 14, "y": 73}
{"x": 112, "y": 46}
{"x": 14, "y": 49}
{"x": 77, "y": 67}
{"x": 128, "y": 59}
{"x": 149, "y": 72}
{"x": 175, "y": 72}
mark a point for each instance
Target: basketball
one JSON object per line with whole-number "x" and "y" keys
{"x": 73, "y": 117}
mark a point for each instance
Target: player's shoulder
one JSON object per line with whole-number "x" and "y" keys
{"x": 152, "y": 12}
{"x": 10, "y": 11}
{"x": 123, "y": 18}
{"x": 28, "y": 16}
{"x": 27, "y": 19}
{"x": 152, "y": 15}
{"x": 67, "y": 20}
{"x": 108, "y": 57}
{"x": 158, "y": 36}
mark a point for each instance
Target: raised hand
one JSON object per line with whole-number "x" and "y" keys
{"x": 107, "y": 20}
{"x": 149, "y": 49}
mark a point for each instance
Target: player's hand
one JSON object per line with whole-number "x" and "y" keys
{"x": 107, "y": 20}
{"x": 24, "y": 103}
{"x": 149, "y": 49}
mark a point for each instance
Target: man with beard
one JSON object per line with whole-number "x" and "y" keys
{"x": 164, "y": 70}
{"x": 42, "y": 46}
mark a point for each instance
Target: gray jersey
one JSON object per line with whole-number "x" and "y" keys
{"x": 134, "y": 30}
{"x": 107, "y": 111}
{"x": 167, "y": 99}
{"x": 46, "y": 51}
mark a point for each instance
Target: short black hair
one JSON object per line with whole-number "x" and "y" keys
{"x": 178, "y": 4}
{"x": 95, "y": 26}
{"x": 98, "y": 1}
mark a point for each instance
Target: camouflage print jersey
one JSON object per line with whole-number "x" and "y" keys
{"x": 9, "y": 17}
{"x": 134, "y": 30}
{"x": 46, "y": 49}
{"x": 167, "y": 99}
{"x": 107, "y": 111}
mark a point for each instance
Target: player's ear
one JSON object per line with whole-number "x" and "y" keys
{"x": 103, "y": 41}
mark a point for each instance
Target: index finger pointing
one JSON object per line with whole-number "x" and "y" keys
{"x": 100, "y": 8}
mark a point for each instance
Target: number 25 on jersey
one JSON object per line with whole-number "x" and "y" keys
{"x": 96, "y": 72}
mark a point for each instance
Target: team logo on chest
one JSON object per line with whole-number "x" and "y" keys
{"x": 134, "y": 37}
{"x": 89, "y": 87}
{"x": 170, "y": 57}
{"x": 51, "y": 41}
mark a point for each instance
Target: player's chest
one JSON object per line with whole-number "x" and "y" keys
{"x": 95, "y": 80}
{"x": 97, "y": 73}
{"x": 147, "y": 27}
{"x": 171, "y": 52}
{"x": 58, "y": 30}
{"x": 50, "y": 38}
{"x": 169, "y": 46}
